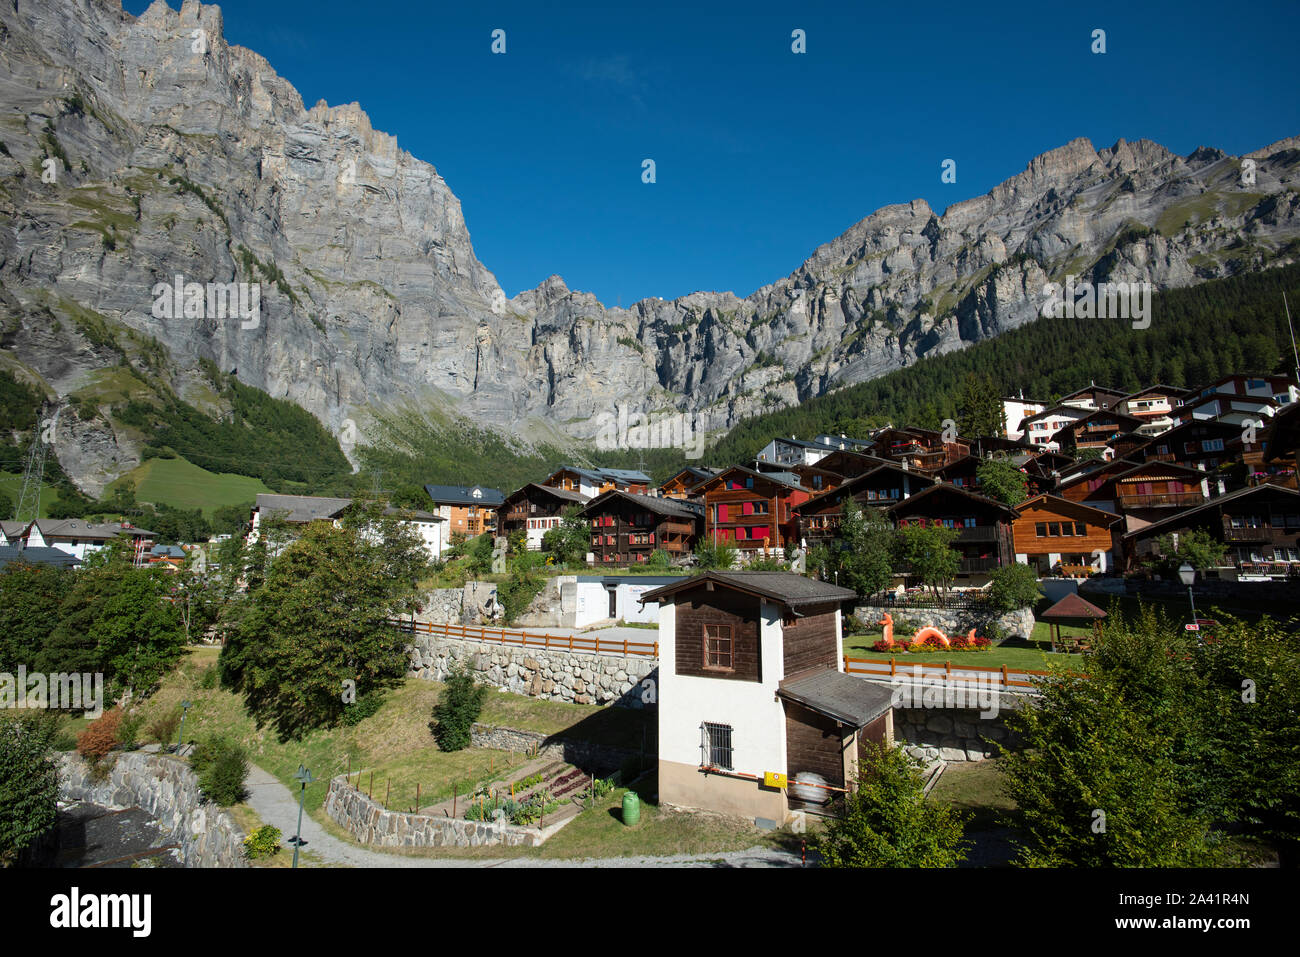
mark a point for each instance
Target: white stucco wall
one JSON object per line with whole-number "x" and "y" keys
{"x": 756, "y": 717}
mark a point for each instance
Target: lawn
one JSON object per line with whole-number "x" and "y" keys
{"x": 181, "y": 484}
{"x": 11, "y": 484}
{"x": 1032, "y": 655}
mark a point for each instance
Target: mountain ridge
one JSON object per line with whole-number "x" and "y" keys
{"x": 209, "y": 165}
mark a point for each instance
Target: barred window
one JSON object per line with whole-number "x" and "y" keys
{"x": 717, "y": 647}
{"x": 715, "y": 745}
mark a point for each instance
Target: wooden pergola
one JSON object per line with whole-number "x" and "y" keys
{"x": 1072, "y": 610}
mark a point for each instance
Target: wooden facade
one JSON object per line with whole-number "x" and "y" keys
{"x": 628, "y": 529}
{"x": 751, "y": 510}
{"x": 810, "y": 641}
{"x": 1055, "y": 534}
{"x": 883, "y": 486}
{"x": 718, "y": 635}
{"x": 983, "y": 525}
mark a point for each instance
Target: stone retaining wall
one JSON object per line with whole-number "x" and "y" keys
{"x": 952, "y": 734}
{"x": 579, "y": 753}
{"x": 538, "y": 672}
{"x": 950, "y": 621}
{"x": 366, "y": 820}
{"x": 167, "y": 789}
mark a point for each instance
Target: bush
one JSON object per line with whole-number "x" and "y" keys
{"x": 457, "y": 710}
{"x": 29, "y": 785}
{"x": 100, "y": 737}
{"x": 211, "y": 678}
{"x": 264, "y": 842}
{"x": 164, "y": 727}
{"x": 887, "y": 821}
{"x": 221, "y": 766}
{"x": 365, "y": 706}
{"x": 1014, "y": 586}
{"x": 128, "y": 732}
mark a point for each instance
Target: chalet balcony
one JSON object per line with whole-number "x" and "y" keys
{"x": 1161, "y": 500}
{"x": 974, "y": 566}
{"x": 1162, "y": 457}
{"x": 980, "y": 533}
{"x": 1259, "y": 533}
{"x": 677, "y": 528}
{"x": 1271, "y": 569}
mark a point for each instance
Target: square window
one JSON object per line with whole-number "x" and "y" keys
{"x": 717, "y": 648}
{"x": 1080, "y": 528}
{"x": 1040, "y": 529}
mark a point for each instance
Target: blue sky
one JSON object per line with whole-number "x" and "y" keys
{"x": 761, "y": 154}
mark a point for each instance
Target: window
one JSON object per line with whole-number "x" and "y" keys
{"x": 1054, "y": 529}
{"x": 717, "y": 648}
{"x": 1212, "y": 445}
{"x": 1040, "y": 529}
{"x": 1080, "y": 528}
{"x": 715, "y": 745}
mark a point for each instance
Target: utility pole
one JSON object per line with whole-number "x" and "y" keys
{"x": 29, "y": 500}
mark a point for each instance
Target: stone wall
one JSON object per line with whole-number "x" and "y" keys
{"x": 367, "y": 821}
{"x": 579, "y": 753}
{"x": 539, "y": 672}
{"x": 168, "y": 789}
{"x": 951, "y": 622}
{"x": 953, "y": 734}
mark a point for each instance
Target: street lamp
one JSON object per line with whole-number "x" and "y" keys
{"x": 304, "y": 777}
{"x": 1188, "y": 575}
{"x": 180, "y": 737}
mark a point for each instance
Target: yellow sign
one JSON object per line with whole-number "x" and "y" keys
{"x": 774, "y": 779}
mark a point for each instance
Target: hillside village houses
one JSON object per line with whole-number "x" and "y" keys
{"x": 74, "y": 536}
{"x": 305, "y": 509}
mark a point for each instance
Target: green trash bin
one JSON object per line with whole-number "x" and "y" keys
{"x": 631, "y": 808}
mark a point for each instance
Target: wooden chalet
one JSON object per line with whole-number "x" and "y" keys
{"x": 883, "y": 486}
{"x": 922, "y": 449}
{"x": 685, "y": 483}
{"x": 536, "y": 509}
{"x": 1259, "y": 526}
{"x": 627, "y": 529}
{"x": 1058, "y": 536}
{"x": 590, "y": 482}
{"x": 1103, "y": 429}
{"x": 752, "y": 510}
{"x": 984, "y": 542}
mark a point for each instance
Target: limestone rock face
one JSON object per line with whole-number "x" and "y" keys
{"x": 174, "y": 153}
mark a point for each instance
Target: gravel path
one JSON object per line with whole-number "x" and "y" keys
{"x": 275, "y": 804}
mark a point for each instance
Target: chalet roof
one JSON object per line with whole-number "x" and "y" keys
{"x": 793, "y": 591}
{"x": 79, "y": 528}
{"x": 848, "y": 700}
{"x": 1181, "y": 517}
{"x": 696, "y": 473}
{"x": 944, "y": 488}
{"x": 14, "y": 529}
{"x": 598, "y": 474}
{"x": 1064, "y": 504}
{"x": 560, "y": 493}
{"x": 302, "y": 508}
{"x": 853, "y": 484}
{"x": 1282, "y": 435}
{"x": 464, "y": 495}
{"x": 803, "y": 444}
{"x": 1071, "y": 608}
{"x": 1163, "y": 467}
{"x": 36, "y": 556}
{"x": 780, "y": 478}
{"x": 1158, "y": 389}
{"x": 651, "y": 503}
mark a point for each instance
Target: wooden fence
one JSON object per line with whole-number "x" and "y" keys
{"x": 1007, "y": 678}
{"x": 523, "y": 639}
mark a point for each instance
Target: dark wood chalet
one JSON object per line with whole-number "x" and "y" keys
{"x": 752, "y": 510}
{"x": 536, "y": 509}
{"x": 883, "y": 486}
{"x": 984, "y": 526}
{"x": 627, "y": 529}
{"x": 1259, "y": 527}
{"x": 685, "y": 483}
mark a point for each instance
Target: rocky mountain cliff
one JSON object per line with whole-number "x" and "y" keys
{"x": 173, "y": 153}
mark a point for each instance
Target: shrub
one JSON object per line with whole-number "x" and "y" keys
{"x": 1013, "y": 586}
{"x": 210, "y": 679}
{"x": 100, "y": 737}
{"x": 264, "y": 842}
{"x": 457, "y": 710}
{"x": 365, "y": 706}
{"x": 29, "y": 785}
{"x": 164, "y": 727}
{"x": 221, "y": 766}
{"x": 128, "y": 732}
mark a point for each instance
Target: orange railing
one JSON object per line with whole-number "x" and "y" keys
{"x": 881, "y": 668}
{"x": 524, "y": 639}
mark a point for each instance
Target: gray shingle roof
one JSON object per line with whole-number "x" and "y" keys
{"x": 80, "y": 529}
{"x": 850, "y": 700}
{"x": 35, "y": 556}
{"x": 302, "y": 508}
{"x": 793, "y": 591}
{"x": 660, "y": 506}
{"x": 464, "y": 495}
